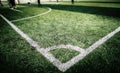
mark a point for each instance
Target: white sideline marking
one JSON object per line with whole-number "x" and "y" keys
{"x": 17, "y": 10}
{"x": 33, "y": 16}
{"x": 46, "y": 52}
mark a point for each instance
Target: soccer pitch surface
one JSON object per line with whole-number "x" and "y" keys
{"x": 60, "y": 38}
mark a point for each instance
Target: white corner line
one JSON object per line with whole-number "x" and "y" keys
{"x": 49, "y": 10}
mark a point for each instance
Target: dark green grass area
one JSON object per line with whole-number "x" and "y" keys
{"x": 64, "y": 54}
{"x": 108, "y": 5}
{"x": 94, "y": 4}
{"x": 27, "y": 11}
{"x": 90, "y": 8}
{"x": 66, "y": 24}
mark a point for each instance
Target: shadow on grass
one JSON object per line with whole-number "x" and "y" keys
{"x": 115, "y": 12}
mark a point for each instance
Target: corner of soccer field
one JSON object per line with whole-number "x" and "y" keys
{"x": 60, "y": 37}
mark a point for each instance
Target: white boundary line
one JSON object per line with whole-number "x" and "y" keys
{"x": 33, "y": 16}
{"x": 46, "y": 52}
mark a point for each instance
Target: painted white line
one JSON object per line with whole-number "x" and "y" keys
{"x": 45, "y": 52}
{"x": 16, "y": 10}
{"x": 33, "y": 16}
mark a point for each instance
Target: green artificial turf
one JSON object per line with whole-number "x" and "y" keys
{"x": 65, "y": 24}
